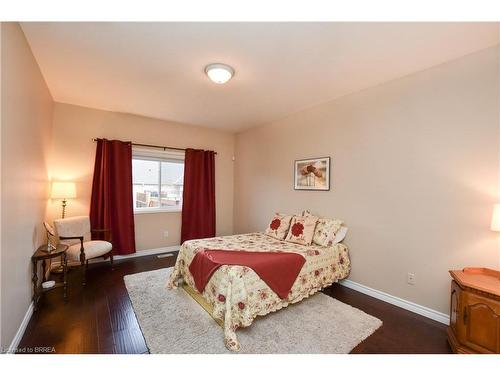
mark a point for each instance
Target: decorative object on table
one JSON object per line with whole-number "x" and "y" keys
{"x": 312, "y": 174}
{"x": 73, "y": 231}
{"x": 41, "y": 254}
{"x": 51, "y": 235}
{"x": 51, "y": 246}
{"x": 475, "y": 311}
{"x": 63, "y": 190}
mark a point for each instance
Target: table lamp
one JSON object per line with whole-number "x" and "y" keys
{"x": 63, "y": 190}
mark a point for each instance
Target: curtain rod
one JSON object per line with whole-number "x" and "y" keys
{"x": 153, "y": 146}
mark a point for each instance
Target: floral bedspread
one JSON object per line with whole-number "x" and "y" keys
{"x": 238, "y": 295}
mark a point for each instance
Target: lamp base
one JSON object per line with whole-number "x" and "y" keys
{"x": 63, "y": 208}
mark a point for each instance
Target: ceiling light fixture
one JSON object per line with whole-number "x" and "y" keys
{"x": 219, "y": 73}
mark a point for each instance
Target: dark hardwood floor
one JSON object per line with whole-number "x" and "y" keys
{"x": 402, "y": 331}
{"x": 98, "y": 318}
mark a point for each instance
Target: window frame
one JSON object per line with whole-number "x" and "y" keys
{"x": 158, "y": 156}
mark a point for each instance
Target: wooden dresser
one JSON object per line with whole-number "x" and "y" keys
{"x": 475, "y": 311}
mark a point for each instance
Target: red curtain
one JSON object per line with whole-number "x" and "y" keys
{"x": 198, "y": 206}
{"x": 111, "y": 205}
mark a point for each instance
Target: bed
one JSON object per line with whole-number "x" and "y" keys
{"x": 236, "y": 295}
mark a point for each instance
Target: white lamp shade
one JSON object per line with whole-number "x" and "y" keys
{"x": 63, "y": 190}
{"x": 495, "y": 219}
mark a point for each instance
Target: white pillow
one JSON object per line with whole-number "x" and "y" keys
{"x": 340, "y": 235}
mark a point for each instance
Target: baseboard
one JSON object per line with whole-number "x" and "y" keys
{"x": 20, "y": 331}
{"x": 140, "y": 253}
{"x": 404, "y": 304}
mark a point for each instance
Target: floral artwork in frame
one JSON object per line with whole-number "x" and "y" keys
{"x": 312, "y": 174}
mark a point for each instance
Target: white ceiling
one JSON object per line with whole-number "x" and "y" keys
{"x": 156, "y": 69}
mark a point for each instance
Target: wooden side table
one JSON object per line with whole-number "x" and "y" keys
{"x": 475, "y": 311}
{"x": 42, "y": 254}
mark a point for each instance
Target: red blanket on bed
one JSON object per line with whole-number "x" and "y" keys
{"x": 278, "y": 270}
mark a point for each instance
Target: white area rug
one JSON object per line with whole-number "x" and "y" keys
{"x": 172, "y": 322}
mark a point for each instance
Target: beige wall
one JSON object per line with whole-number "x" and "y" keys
{"x": 415, "y": 175}
{"x": 26, "y": 130}
{"x": 74, "y": 152}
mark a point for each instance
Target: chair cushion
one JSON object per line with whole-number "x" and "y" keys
{"x": 92, "y": 249}
{"x": 75, "y": 226}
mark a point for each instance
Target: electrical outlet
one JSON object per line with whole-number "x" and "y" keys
{"x": 411, "y": 278}
{"x": 165, "y": 234}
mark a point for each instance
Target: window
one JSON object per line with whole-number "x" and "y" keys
{"x": 157, "y": 178}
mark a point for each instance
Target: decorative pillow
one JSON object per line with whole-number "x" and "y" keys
{"x": 325, "y": 231}
{"x": 302, "y": 229}
{"x": 278, "y": 227}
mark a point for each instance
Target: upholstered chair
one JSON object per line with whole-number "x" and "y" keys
{"x": 75, "y": 232}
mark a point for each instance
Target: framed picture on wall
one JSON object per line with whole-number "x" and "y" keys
{"x": 312, "y": 174}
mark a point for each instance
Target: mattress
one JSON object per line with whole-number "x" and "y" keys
{"x": 237, "y": 295}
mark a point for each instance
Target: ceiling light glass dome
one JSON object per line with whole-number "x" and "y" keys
{"x": 219, "y": 73}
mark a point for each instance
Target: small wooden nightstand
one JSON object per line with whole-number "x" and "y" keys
{"x": 475, "y": 311}
{"x": 41, "y": 254}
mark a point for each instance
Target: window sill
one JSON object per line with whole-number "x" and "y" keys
{"x": 159, "y": 211}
